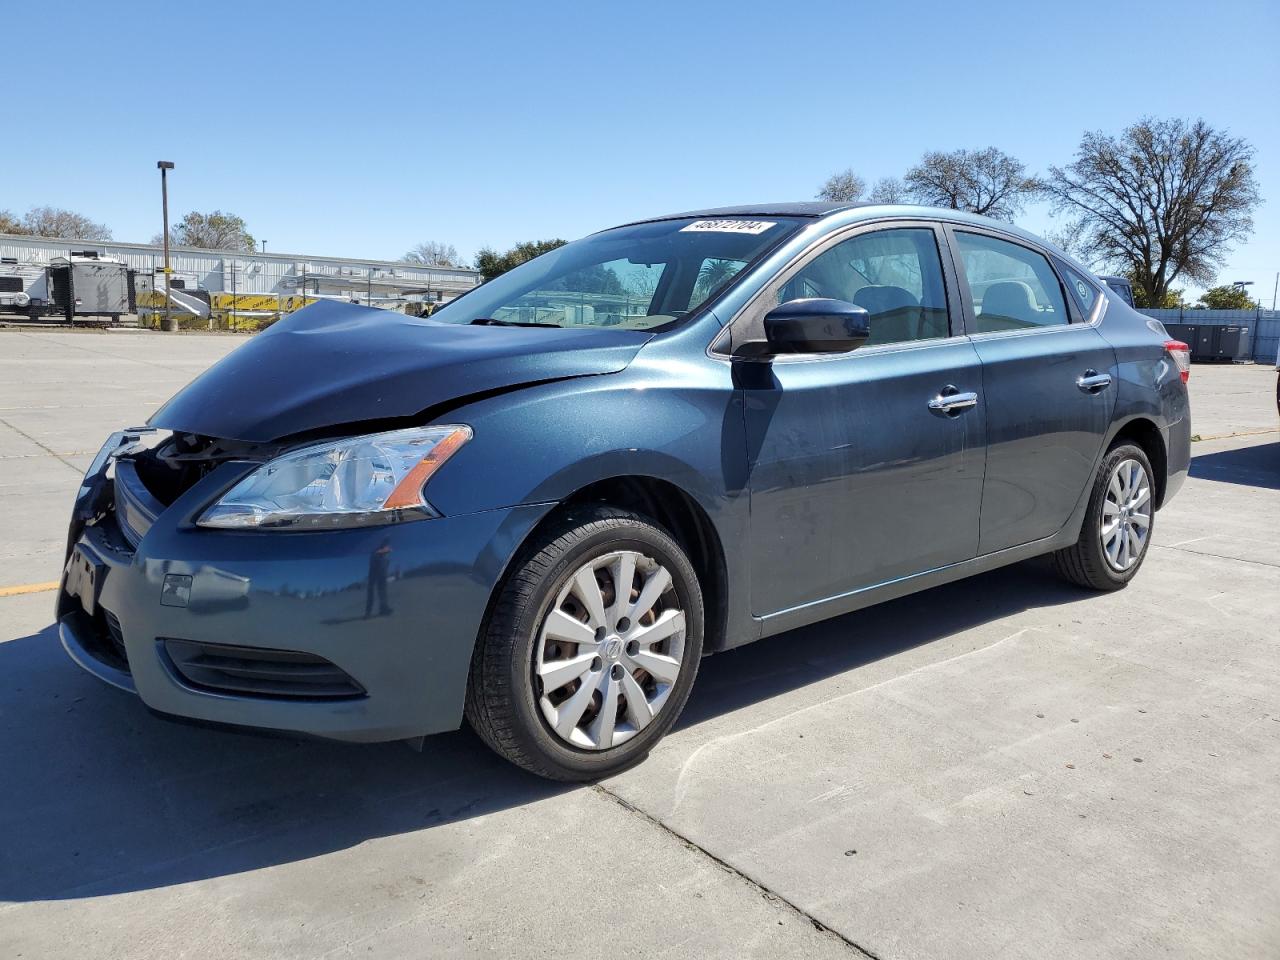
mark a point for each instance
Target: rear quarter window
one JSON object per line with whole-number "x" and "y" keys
{"x": 1084, "y": 293}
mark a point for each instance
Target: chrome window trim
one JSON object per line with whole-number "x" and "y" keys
{"x": 878, "y": 350}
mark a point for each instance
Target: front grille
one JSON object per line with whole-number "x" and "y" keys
{"x": 101, "y": 637}
{"x": 255, "y": 671}
{"x": 115, "y": 634}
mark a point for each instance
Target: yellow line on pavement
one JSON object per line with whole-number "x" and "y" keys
{"x": 28, "y": 588}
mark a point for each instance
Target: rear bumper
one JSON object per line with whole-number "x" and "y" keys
{"x": 1177, "y": 445}
{"x": 395, "y": 610}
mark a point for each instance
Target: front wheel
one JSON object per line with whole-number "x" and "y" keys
{"x": 1117, "y": 526}
{"x": 590, "y": 649}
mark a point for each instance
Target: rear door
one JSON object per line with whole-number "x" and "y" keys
{"x": 855, "y": 478}
{"x": 1048, "y": 385}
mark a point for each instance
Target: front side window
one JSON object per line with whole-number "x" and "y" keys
{"x": 648, "y": 276}
{"x": 1013, "y": 286}
{"x": 896, "y": 275}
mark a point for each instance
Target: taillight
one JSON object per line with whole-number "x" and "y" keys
{"x": 1181, "y": 355}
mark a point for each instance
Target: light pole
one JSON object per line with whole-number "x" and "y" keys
{"x": 264, "y": 246}
{"x": 165, "y": 166}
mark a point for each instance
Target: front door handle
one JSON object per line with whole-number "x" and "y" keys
{"x": 952, "y": 401}
{"x": 1093, "y": 381}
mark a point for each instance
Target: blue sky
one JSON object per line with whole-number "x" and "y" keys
{"x": 360, "y": 129}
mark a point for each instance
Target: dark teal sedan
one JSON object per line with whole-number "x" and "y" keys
{"x": 540, "y": 508}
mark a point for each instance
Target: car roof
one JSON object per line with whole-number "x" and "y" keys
{"x": 793, "y": 208}
{"x": 847, "y": 213}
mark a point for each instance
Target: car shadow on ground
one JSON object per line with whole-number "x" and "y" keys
{"x": 1256, "y": 466}
{"x": 99, "y": 797}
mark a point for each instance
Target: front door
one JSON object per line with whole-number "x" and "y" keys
{"x": 1048, "y": 384}
{"x": 859, "y": 475}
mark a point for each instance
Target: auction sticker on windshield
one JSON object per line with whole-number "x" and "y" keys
{"x": 728, "y": 226}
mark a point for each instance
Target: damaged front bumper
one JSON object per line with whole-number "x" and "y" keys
{"x": 358, "y": 634}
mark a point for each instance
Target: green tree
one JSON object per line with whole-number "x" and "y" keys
{"x": 1165, "y": 199}
{"x": 211, "y": 231}
{"x": 1171, "y": 300}
{"x": 1142, "y": 298}
{"x": 1227, "y": 298}
{"x": 596, "y": 278}
{"x": 492, "y": 264}
{"x": 712, "y": 276}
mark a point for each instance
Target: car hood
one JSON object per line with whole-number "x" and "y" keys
{"x": 338, "y": 363}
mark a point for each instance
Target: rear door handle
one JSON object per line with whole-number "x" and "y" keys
{"x": 951, "y": 400}
{"x": 1093, "y": 381}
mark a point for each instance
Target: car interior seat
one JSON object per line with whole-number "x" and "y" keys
{"x": 1009, "y": 305}
{"x": 895, "y": 314}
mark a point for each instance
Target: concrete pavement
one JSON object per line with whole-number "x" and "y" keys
{"x": 1000, "y": 767}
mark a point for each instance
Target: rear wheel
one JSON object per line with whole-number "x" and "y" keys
{"x": 591, "y": 648}
{"x": 1117, "y": 525}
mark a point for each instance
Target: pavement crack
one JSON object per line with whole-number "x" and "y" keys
{"x": 756, "y": 885}
{"x": 53, "y": 453}
{"x": 1219, "y": 556}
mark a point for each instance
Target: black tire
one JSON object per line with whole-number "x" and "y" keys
{"x": 1085, "y": 563}
{"x": 501, "y": 703}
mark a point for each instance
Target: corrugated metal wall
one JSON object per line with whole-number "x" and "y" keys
{"x": 1263, "y": 325}
{"x": 254, "y": 272}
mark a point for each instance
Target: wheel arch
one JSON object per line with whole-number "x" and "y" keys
{"x": 680, "y": 514}
{"x": 1146, "y": 435}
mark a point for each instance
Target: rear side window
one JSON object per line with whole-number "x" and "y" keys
{"x": 1013, "y": 287}
{"x": 895, "y": 274}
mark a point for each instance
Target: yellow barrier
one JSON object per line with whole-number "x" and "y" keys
{"x": 282, "y": 303}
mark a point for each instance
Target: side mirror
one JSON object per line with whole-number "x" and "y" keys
{"x": 816, "y": 325}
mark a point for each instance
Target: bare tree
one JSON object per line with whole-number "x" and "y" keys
{"x": 888, "y": 190}
{"x": 1165, "y": 199}
{"x": 9, "y": 223}
{"x": 989, "y": 182}
{"x": 64, "y": 224}
{"x": 845, "y": 186}
{"x": 433, "y": 253}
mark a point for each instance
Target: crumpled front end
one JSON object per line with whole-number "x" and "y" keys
{"x": 356, "y": 634}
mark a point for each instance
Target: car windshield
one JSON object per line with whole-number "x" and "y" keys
{"x": 643, "y": 277}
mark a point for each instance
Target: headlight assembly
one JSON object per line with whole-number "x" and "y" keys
{"x": 353, "y": 482}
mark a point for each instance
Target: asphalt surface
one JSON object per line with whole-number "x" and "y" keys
{"x": 1002, "y": 767}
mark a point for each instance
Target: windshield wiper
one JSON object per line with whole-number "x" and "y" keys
{"x": 494, "y": 322}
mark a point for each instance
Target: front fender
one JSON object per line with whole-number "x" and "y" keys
{"x": 675, "y": 422}
{"x": 543, "y": 443}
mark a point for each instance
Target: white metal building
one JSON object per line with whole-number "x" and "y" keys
{"x": 284, "y": 274}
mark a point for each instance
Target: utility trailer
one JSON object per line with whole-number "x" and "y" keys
{"x": 85, "y": 285}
